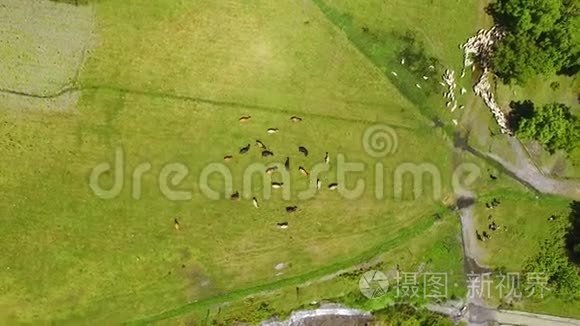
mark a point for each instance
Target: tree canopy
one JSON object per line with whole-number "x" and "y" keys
{"x": 552, "y": 125}
{"x": 541, "y": 38}
{"x": 553, "y": 262}
{"x": 573, "y": 237}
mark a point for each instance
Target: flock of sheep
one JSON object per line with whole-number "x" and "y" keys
{"x": 480, "y": 46}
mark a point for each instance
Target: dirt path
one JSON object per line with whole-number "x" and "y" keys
{"x": 525, "y": 170}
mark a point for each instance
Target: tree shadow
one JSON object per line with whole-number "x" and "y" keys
{"x": 573, "y": 236}
{"x": 519, "y": 111}
{"x": 570, "y": 70}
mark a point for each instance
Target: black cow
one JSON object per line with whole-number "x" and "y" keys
{"x": 245, "y": 149}
{"x": 291, "y": 209}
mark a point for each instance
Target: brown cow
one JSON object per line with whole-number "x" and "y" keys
{"x": 260, "y": 144}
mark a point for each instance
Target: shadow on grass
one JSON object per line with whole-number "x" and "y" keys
{"x": 415, "y": 78}
{"x": 573, "y": 236}
{"x": 520, "y": 110}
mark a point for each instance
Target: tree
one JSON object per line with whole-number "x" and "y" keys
{"x": 552, "y": 261}
{"x": 540, "y": 38}
{"x": 573, "y": 237}
{"x": 552, "y": 126}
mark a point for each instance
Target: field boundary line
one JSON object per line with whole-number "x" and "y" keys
{"x": 72, "y": 89}
{"x": 407, "y": 233}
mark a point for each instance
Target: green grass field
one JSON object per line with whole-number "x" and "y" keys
{"x": 168, "y": 85}
{"x": 523, "y": 220}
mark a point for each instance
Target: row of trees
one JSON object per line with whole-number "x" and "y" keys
{"x": 542, "y": 37}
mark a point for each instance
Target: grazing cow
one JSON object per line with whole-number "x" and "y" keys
{"x": 287, "y": 164}
{"x": 245, "y": 118}
{"x": 486, "y": 236}
{"x": 552, "y": 218}
{"x": 333, "y": 186}
{"x": 255, "y": 202}
{"x": 271, "y": 170}
{"x": 318, "y": 184}
{"x": 228, "y": 158}
{"x": 295, "y": 119}
{"x": 260, "y": 144}
{"x": 492, "y": 177}
{"x": 176, "y": 224}
{"x": 326, "y": 158}
{"x": 303, "y": 150}
{"x": 394, "y": 73}
{"x": 282, "y": 225}
{"x": 272, "y": 130}
{"x": 478, "y": 236}
{"x": 245, "y": 149}
{"x": 303, "y": 171}
{"x": 267, "y": 153}
{"x": 235, "y": 196}
{"x": 277, "y": 185}
{"x": 291, "y": 209}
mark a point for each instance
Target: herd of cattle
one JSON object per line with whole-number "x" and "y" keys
{"x": 267, "y": 152}
{"x": 492, "y": 226}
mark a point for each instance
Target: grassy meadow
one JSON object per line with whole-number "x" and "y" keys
{"x": 168, "y": 86}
